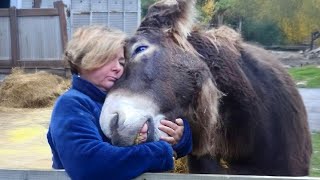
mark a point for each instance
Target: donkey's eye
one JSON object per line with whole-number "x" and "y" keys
{"x": 139, "y": 49}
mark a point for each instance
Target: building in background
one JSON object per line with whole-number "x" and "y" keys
{"x": 121, "y": 14}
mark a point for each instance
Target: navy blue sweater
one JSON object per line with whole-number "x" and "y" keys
{"x": 79, "y": 146}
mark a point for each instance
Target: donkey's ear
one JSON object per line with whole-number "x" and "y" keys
{"x": 171, "y": 16}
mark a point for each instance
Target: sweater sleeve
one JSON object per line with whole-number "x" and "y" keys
{"x": 85, "y": 155}
{"x": 184, "y": 146}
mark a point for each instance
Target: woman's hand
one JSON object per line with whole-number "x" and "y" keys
{"x": 174, "y": 130}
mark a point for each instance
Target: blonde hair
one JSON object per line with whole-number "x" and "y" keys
{"x": 93, "y": 46}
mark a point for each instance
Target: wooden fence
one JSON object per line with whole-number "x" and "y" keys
{"x": 61, "y": 175}
{"x": 32, "y": 38}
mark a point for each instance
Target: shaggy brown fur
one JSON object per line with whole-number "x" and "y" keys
{"x": 205, "y": 113}
{"x": 263, "y": 124}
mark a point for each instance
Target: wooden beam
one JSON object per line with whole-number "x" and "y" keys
{"x": 172, "y": 176}
{"x": 32, "y": 174}
{"x": 41, "y": 63}
{"x": 5, "y": 63}
{"x": 5, "y": 70}
{"x": 4, "y": 12}
{"x": 63, "y": 23}
{"x": 62, "y": 175}
{"x": 15, "y": 51}
{"x": 37, "y": 12}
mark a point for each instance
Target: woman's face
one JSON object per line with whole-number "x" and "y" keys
{"x": 105, "y": 76}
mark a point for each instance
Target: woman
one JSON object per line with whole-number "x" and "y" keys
{"x": 96, "y": 58}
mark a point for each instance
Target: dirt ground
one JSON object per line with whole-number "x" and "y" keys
{"x": 295, "y": 59}
{"x": 23, "y": 142}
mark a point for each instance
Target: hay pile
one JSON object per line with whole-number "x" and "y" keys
{"x": 37, "y": 90}
{"x": 181, "y": 166}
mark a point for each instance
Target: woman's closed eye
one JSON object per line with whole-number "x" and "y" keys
{"x": 122, "y": 62}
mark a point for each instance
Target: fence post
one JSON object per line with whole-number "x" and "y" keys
{"x": 63, "y": 29}
{"x": 15, "y": 52}
{"x": 63, "y": 22}
{"x": 36, "y": 3}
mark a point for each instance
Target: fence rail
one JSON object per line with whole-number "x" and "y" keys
{"x": 302, "y": 47}
{"x": 32, "y": 38}
{"x": 61, "y": 175}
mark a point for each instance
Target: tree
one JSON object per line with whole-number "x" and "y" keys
{"x": 314, "y": 35}
{"x": 221, "y": 6}
{"x": 290, "y": 20}
{"x": 297, "y": 19}
{"x": 207, "y": 9}
{"x": 145, "y": 5}
{"x": 243, "y": 11}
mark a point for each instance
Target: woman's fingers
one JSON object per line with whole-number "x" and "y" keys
{"x": 170, "y": 124}
{"x": 179, "y": 121}
{"x": 169, "y": 139}
{"x": 167, "y": 130}
{"x": 174, "y": 130}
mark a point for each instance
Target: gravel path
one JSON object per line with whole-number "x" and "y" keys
{"x": 311, "y": 98}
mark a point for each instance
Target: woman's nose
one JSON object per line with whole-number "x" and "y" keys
{"x": 117, "y": 67}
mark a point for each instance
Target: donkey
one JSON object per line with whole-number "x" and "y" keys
{"x": 245, "y": 112}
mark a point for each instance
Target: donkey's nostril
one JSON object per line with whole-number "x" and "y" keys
{"x": 150, "y": 132}
{"x": 114, "y": 121}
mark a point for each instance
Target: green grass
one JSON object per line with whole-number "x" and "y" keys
{"x": 309, "y": 74}
{"x": 315, "y": 161}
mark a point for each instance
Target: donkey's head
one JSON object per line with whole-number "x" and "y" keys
{"x": 164, "y": 78}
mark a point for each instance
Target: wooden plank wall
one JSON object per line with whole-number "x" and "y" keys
{"x": 29, "y": 48}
